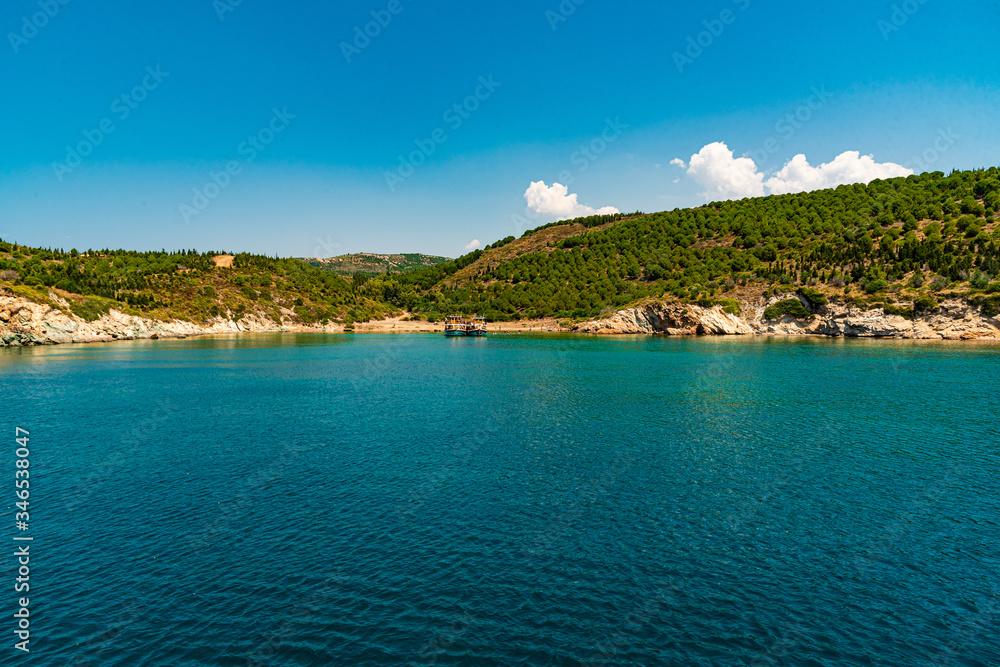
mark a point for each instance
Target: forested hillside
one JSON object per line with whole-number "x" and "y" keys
{"x": 896, "y": 243}
{"x": 901, "y": 244}
{"x": 185, "y": 285}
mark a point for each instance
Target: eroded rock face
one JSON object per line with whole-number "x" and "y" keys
{"x": 670, "y": 319}
{"x": 717, "y": 322}
{"x": 956, "y": 320}
{"x": 24, "y": 323}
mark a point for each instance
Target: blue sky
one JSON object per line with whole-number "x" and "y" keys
{"x": 902, "y": 82}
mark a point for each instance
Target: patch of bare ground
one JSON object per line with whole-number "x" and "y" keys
{"x": 223, "y": 261}
{"x": 723, "y": 242}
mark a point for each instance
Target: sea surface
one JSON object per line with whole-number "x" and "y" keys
{"x": 514, "y": 500}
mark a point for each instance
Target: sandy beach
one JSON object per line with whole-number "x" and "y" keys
{"x": 398, "y": 325}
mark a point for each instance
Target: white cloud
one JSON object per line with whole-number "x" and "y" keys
{"x": 848, "y": 167}
{"x": 555, "y": 201}
{"x": 677, "y": 162}
{"x": 472, "y": 245}
{"x": 724, "y": 176}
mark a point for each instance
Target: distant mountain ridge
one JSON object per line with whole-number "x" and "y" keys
{"x": 375, "y": 263}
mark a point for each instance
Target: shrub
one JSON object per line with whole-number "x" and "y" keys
{"x": 65, "y": 284}
{"x": 791, "y": 307}
{"x": 767, "y": 253}
{"x": 892, "y": 309}
{"x": 938, "y": 283}
{"x": 731, "y": 306}
{"x": 873, "y": 286}
{"x": 925, "y": 304}
{"x": 991, "y": 306}
{"x": 305, "y": 314}
{"x": 91, "y": 309}
{"x": 814, "y": 297}
{"x": 979, "y": 281}
{"x": 965, "y": 222}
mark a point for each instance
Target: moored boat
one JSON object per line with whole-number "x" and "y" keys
{"x": 477, "y": 327}
{"x": 455, "y": 325}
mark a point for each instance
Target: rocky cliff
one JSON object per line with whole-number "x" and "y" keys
{"x": 24, "y": 322}
{"x": 955, "y": 319}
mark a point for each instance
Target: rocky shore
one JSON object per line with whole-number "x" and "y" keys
{"x": 955, "y": 319}
{"x": 24, "y": 323}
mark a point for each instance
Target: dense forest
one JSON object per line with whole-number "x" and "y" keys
{"x": 901, "y": 244}
{"x": 900, "y": 241}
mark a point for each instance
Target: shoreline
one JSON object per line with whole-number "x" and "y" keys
{"x": 503, "y": 332}
{"x": 26, "y": 323}
{"x": 397, "y": 325}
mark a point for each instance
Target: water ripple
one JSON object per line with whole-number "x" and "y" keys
{"x": 588, "y": 501}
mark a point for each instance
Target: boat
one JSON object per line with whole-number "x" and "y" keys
{"x": 477, "y": 327}
{"x": 459, "y": 325}
{"x": 455, "y": 325}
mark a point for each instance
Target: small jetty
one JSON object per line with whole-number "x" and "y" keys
{"x": 459, "y": 325}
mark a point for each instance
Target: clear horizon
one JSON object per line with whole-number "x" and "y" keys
{"x": 290, "y": 131}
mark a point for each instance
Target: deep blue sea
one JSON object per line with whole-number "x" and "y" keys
{"x": 513, "y": 500}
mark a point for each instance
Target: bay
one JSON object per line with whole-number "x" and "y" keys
{"x": 536, "y": 500}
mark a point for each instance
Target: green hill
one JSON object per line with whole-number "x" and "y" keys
{"x": 901, "y": 244}
{"x": 184, "y": 285}
{"x": 895, "y": 243}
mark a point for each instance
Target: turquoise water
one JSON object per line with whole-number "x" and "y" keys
{"x": 513, "y": 500}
